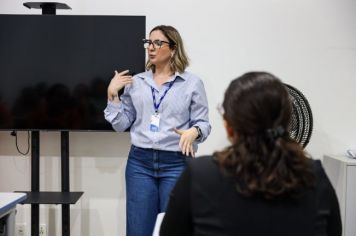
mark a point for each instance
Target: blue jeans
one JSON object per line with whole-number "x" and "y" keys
{"x": 150, "y": 176}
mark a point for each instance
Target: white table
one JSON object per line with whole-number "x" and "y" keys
{"x": 8, "y": 203}
{"x": 341, "y": 171}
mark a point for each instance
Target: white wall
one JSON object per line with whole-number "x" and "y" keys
{"x": 310, "y": 44}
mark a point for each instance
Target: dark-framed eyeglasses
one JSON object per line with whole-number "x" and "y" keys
{"x": 157, "y": 44}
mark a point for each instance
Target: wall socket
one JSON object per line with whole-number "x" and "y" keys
{"x": 43, "y": 230}
{"x": 20, "y": 229}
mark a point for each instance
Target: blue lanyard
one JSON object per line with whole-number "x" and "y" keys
{"x": 156, "y": 106}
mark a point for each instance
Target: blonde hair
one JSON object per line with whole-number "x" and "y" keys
{"x": 179, "y": 61}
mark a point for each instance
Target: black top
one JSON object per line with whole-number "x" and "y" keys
{"x": 205, "y": 202}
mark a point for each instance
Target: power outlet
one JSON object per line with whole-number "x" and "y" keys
{"x": 43, "y": 230}
{"x": 20, "y": 229}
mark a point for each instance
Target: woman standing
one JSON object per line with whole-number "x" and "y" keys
{"x": 167, "y": 110}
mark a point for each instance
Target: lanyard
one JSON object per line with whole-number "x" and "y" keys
{"x": 156, "y": 106}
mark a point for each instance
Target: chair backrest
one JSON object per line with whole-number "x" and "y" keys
{"x": 158, "y": 224}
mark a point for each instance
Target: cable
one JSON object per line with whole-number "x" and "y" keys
{"x": 14, "y": 133}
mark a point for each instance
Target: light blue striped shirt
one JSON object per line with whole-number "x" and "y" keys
{"x": 185, "y": 105}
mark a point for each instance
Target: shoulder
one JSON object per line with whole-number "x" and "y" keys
{"x": 207, "y": 180}
{"x": 318, "y": 169}
{"x": 190, "y": 77}
{"x": 323, "y": 183}
{"x": 202, "y": 161}
{"x": 138, "y": 80}
{"x": 327, "y": 200}
{"x": 203, "y": 167}
{"x": 144, "y": 74}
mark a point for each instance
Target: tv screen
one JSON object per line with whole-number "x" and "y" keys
{"x": 54, "y": 70}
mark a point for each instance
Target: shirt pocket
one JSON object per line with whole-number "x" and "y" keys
{"x": 180, "y": 107}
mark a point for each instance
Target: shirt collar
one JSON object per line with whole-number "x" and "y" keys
{"x": 148, "y": 75}
{"x": 181, "y": 75}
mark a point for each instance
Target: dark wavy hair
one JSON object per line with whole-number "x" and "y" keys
{"x": 263, "y": 159}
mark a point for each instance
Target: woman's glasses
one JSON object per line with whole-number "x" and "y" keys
{"x": 157, "y": 44}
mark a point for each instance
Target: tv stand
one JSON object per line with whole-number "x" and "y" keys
{"x": 36, "y": 197}
{"x": 48, "y": 8}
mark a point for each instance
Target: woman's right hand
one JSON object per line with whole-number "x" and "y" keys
{"x": 119, "y": 81}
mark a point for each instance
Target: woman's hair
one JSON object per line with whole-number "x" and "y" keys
{"x": 263, "y": 159}
{"x": 179, "y": 61}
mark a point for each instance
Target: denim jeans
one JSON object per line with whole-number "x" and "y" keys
{"x": 150, "y": 176}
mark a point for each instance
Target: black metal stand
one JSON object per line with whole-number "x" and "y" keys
{"x": 65, "y": 180}
{"x": 36, "y": 197}
{"x": 35, "y": 180}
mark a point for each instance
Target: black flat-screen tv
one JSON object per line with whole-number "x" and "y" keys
{"x": 55, "y": 69}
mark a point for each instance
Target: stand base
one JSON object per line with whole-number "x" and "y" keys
{"x": 51, "y": 197}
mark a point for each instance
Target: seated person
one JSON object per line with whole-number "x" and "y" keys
{"x": 263, "y": 183}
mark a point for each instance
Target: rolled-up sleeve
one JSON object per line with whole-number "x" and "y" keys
{"x": 121, "y": 115}
{"x": 200, "y": 111}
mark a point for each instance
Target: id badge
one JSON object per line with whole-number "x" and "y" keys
{"x": 154, "y": 125}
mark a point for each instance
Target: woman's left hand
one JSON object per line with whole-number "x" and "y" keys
{"x": 187, "y": 138}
